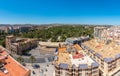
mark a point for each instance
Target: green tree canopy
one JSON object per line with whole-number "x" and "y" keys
{"x": 32, "y": 59}
{"x": 20, "y": 59}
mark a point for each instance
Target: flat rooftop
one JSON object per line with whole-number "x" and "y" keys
{"x": 10, "y": 36}
{"x": 75, "y": 58}
{"x": 84, "y": 60}
{"x": 13, "y": 67}
{"x": 56, "y": 44}
{"x": 106, "y": 50}
{"x": 22, "y": 40}
{"x": 64, "y": 58}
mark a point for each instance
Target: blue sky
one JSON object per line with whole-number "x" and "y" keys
{"x": 60, "y": 11}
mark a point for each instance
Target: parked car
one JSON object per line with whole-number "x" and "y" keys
{"x": 33, "y": 72}
{"x": 35, "y": 66}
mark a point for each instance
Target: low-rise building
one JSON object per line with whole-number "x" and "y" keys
{"x": 19, "y": 45}
{"x": 76, "y": 40}
{"x": 51, "y": 44}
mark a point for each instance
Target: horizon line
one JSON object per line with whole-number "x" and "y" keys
{"x": 55, "y": 23}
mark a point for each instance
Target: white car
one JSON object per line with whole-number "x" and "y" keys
{"x": 5, "y": 71}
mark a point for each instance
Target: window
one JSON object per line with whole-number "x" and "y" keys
{"x": 94, "y": 71}
{"x": 73, "y": 74}
{"x": 109, "y": 69}
{"x": 80, "y": 74}
{"x": 80, "y": 70}
{"x": 73, "y": 70}
{"x": 86, "y": 74}
{"x": 58, "y": 72}
{"x": 119, "y": 61}
{"x": 61, "y": 72}
{"x": 66, "y": 74}
{"x": 102, "y": 64}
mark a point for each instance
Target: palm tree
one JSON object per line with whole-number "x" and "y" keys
{"x": 20, "y": 59}
{"x": 32, "y": 59}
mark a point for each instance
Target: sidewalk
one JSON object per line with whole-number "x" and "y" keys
{"x": 44, "y": 70}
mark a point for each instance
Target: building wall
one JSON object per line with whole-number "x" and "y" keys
{"x": 14, "y": 49}
{"x": 106, "y": 68}
{"x": 9, "y": 40}
{"x": 76, "y": 72}
{"x": 28, "y": 73}
{"x": 18, "y": 48}
{"x": 104, "y": 33}
{"x": 21, "y": 47}
{"x": 100, "y": 32}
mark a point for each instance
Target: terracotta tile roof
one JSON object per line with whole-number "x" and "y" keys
{"x": 62, "y": 49}
{"x": 13, "y": 67}
{"x": 78, "y": 56}
{"x": 78, "y": 48}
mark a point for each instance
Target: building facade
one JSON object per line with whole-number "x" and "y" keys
{"x": 74, "y": 63}
{"x": 108, "y": 66}
{"x": 83, "y": 70}
{"x": 106, "y": 55}
{"x": 19, "y": 45}
{"x": 10, "y": 67}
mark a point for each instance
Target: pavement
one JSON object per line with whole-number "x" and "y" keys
{"x": 46, "y": 69}
{"x": 44, "y": 57}
{"x": 50, "y": 71}
{"x": 41, "y": 54}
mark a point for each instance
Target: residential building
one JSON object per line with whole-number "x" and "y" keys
{"x": 104, "y": 50}
{"x": 10, "y": 67}
{"x": 104, "y": 33}
{"x": 20, "y": 45}
{"x": 24, "y": 28}
{"x": 72, "y": 61}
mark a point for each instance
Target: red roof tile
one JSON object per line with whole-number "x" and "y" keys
{"x": 13, "y": 67}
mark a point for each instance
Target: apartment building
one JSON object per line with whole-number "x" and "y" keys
{"x": 104, "y": 33}
{"x": 10, "y": 67}
{"x": 98, "y": 32}
{"x": 101, "y": 55}
{"x": 105, "y": 50}
{"x": 72, "y": 61}
{"x": 19, "y": 45}
{"x": 14, "y": 28}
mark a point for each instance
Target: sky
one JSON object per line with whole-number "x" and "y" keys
{"x": 60, "y": 11}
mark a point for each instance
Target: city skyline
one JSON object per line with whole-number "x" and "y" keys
{"x": 60, "y": 11}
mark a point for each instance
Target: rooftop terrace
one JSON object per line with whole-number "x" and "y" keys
{"x": 105, "y": 50}
{"x": 74, "y": 58}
